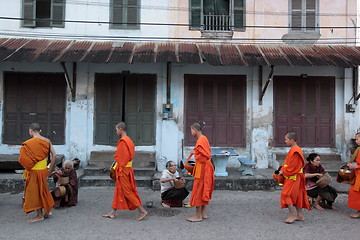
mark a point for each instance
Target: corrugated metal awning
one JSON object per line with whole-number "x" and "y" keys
{"x": 44, "y": 50}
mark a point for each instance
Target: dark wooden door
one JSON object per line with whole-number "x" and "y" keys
{"x": 32, "y": 98}
{"x": 306, "y": 106}
{"x": 129, "y": 98}
{"x": 219, "y": 101}
{"x": 108, "y": 107}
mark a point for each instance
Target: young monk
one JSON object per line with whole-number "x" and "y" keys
{"x": 203, "y": 185}
{"x": 354, "y": 192}
{"x": 33, "y": 157}
{"x": 125, "y": 194}
{"x": 293, "y": 195}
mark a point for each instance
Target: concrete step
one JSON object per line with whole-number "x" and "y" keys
{"x": 106, "y": 158}
{"x": 101, "y": 181}
{"x": 10, "y": 161}
{"x": 98, "y": 171}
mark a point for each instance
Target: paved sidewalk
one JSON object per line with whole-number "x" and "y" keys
{"x": 232, "y": 215}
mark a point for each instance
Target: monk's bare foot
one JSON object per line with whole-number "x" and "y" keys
{"x": 142, "y": 216}
{"x": 165, "y": 205}
{"x": 47, "y": 214}
{"x": 109, "y": 215}
{"x": 36, "y": 219}
{"x": 204, "y": 216}
{"x": 301, "y": 219}
{"x": 318, "y": 207}
{"x": 194, "y": 219}
{"x": 290, "y": 220}
{"x": 355, "y": 215}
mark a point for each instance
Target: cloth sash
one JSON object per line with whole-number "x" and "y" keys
{"x": 357, "y": 171}
{"x": 129, "y": 164}
{"x": 293, "y": 177}
{"x": 38, "y": 166}
{"x": 198, "y": 168}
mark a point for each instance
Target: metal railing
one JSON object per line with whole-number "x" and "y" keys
{"x": 217, "y": 22}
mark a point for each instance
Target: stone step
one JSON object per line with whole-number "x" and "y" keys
{"x": 98, "y": 171}
{"x": 101, "y": 181}
{"x": 10, "y": 161}
{"x": 106, "y": 158}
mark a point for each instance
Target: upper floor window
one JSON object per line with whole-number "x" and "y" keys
{"x": 43, "y": 13}
{"x": 217, "y": 15}
{"x": 125, "y": 14}
{"x": 304, "y": 15}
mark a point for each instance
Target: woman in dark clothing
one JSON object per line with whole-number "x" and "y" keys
{"x": 313, "y": 171}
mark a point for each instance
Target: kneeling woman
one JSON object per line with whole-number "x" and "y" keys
{"x": 313, "y": 171}
{"x": 171, "y": 196}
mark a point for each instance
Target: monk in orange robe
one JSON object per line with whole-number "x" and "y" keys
{"x": 203, "y": 172}
{"x": 294, "y": 195}
{"x": 125, "y": 194}
{"x": 33, "y": 157}
{"x": 354, "y": 192}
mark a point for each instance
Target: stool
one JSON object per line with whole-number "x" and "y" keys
{"x": 246, "y": 166}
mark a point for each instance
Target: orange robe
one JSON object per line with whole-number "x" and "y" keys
{"x": 294, "y": 192}
{"x": 354, "y": 192}
{"x": 125, "y": 194}
{"x": 37, "y": 194}
{"x": 203, "y": 174}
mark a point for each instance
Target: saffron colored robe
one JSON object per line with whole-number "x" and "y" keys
{"x": 203, "y": 185}
{"x": 294, "y": 192}
{"x": 37, "y": 194}
{"x": 125, "y": 194}
{"x": 354, "y": 192}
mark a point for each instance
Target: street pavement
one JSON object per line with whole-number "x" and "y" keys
{"x": 232, "y": 215}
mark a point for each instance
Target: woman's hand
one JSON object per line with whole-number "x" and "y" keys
{"x": 352, "y": 166}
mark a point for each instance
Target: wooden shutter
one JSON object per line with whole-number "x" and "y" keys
{"x": 133, "y": 17}
{"x": 196, "y": 7}
{"x": 239, "y": 14}
{"x": 296, "y": 6}
{"x": 310, "y": 15}
{"x": 29, "y": 12}
{"x": 140, "y": 108}
{"x": 220, "y": 102}
{"x": 58, "y": 13}
{"x": 22, "y": 107}
{"x": 108, "y": 107}
{"x": 117, "y": 13}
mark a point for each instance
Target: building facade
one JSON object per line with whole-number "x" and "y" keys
{"x": 249, "y": 69}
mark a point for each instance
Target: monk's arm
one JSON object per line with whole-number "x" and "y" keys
{"x": 293, "y": 166}
{"x": 53, "y": 157}
{"x": 201, "y": 155}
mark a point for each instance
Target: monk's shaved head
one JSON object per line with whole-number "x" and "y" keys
{"x": 121, "y": 125}
{"x": 35, "y": 127}
{"x": 291, "y": 135}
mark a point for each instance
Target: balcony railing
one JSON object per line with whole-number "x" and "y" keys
{"x": 217, "y": 22}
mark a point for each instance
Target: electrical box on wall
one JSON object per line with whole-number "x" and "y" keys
{"x": 350, "y": 108}
{"x": 167, "y": 110}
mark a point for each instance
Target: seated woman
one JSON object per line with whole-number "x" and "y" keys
{"x": 71, "y": 185}
{"x": 313, "y": 171}
{"x": 171, "y": 196}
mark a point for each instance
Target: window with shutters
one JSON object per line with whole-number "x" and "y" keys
{"x": 217, "y": 15}
{"x": 43, "y": 13}
{"x": 304, "y": 15}
{"x": 125, "y": 14}
{"x": 129, "y": 98}
{"x": 219, "y": 101}
{"x": 22, "y": 107}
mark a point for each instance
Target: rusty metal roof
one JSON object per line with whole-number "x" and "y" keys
{"x": 45, "y": 50}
